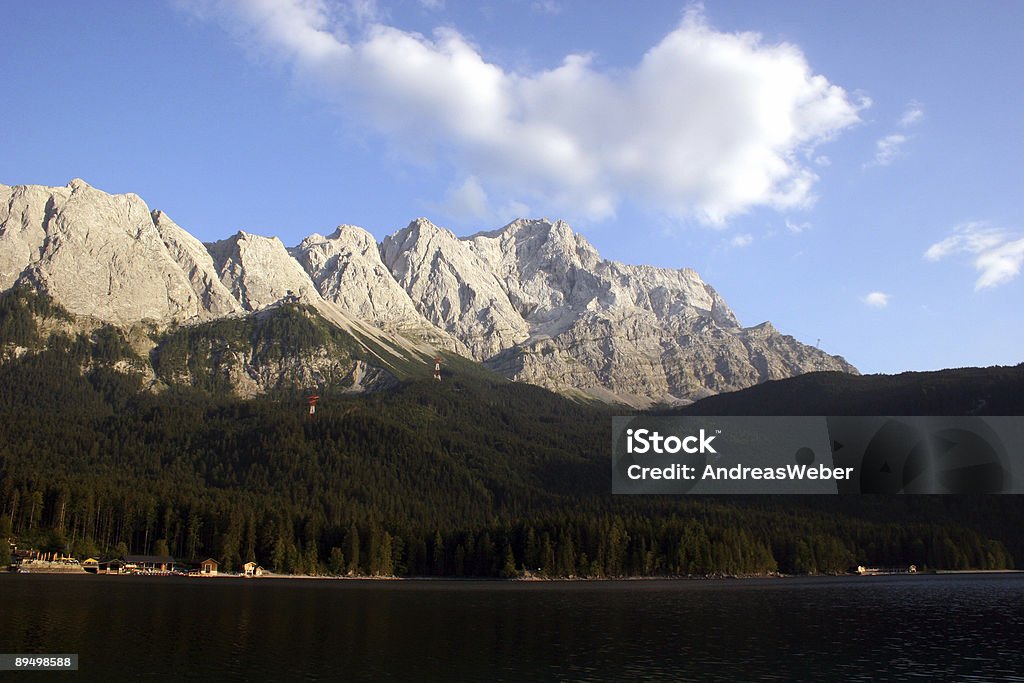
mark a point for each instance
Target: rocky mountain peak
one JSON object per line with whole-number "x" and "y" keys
{"x": 198, "y": 266}
{"x": 318, "y": 254}
{"x": 533, "y": 239}
{"x": 347, "y": 269}
{"x": 78, "y": 184}
{"x": 259, "y": 272}
{"x": 354, "y": 235}
{"x": 100, "y": 255}
{"x": 453, "y": 287}
{"x": 420, "y": 236}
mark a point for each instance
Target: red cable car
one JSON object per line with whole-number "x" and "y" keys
{"x": 312, "y": 403}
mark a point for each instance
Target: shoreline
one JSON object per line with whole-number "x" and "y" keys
{"x": 515, "y": 580}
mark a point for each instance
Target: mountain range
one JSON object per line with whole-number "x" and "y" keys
{"x": 532, "y": 301}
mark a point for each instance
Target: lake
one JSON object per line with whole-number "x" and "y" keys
{"x": 947, "y": 627}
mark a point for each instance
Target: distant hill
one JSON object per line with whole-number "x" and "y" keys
{"x": 961, "y": 391}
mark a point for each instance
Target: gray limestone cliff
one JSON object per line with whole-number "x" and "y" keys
{"x": 99, "y": 255}
{"x": 533, "y": 301}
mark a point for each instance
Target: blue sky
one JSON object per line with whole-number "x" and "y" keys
{"x": 850, "y": 171}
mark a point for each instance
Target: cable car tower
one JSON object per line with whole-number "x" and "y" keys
{"x": 312, "y": 404}
{"x": 437, "y": 369}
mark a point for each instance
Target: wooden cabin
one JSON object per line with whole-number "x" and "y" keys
{"x": 209, "y": 566}
{"x": 114, "y": 566}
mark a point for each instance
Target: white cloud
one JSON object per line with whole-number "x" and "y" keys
{"x": 741, "y": 241}
{"x": 707, "y": 124}
{"x": 512, "y": 210}
{"x": 912, "y": 115}
{"x": 876, "y": 299}
{"x": 797, "y": 228}
{"x": 888, "y": 149}
{"x": 468, "y": 203}
{"x": 362, "y": 11}
{"x": 546, "y": 7}
{"x": 997, "y": 254}
{"x": 972, "y": 238}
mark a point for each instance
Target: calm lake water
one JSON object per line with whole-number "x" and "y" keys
{"x": 948, "y": 627}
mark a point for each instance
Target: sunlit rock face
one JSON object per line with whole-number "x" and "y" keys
{"x": 533, "y": 301}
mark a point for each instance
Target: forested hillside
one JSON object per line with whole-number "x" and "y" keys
{"x": 962, "y": 391}
{"x": 474, "y": 476}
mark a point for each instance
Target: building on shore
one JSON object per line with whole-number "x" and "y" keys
{"x": 251, "y": 569}
{"x": 877, "y": 571}
{"x": 113, "y": 566}
{"x": 148, "y": 563}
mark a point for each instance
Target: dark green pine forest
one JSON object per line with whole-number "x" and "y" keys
{"x": 475, "y": 477}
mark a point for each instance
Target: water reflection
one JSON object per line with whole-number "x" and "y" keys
{"x": 857, "y": 629}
